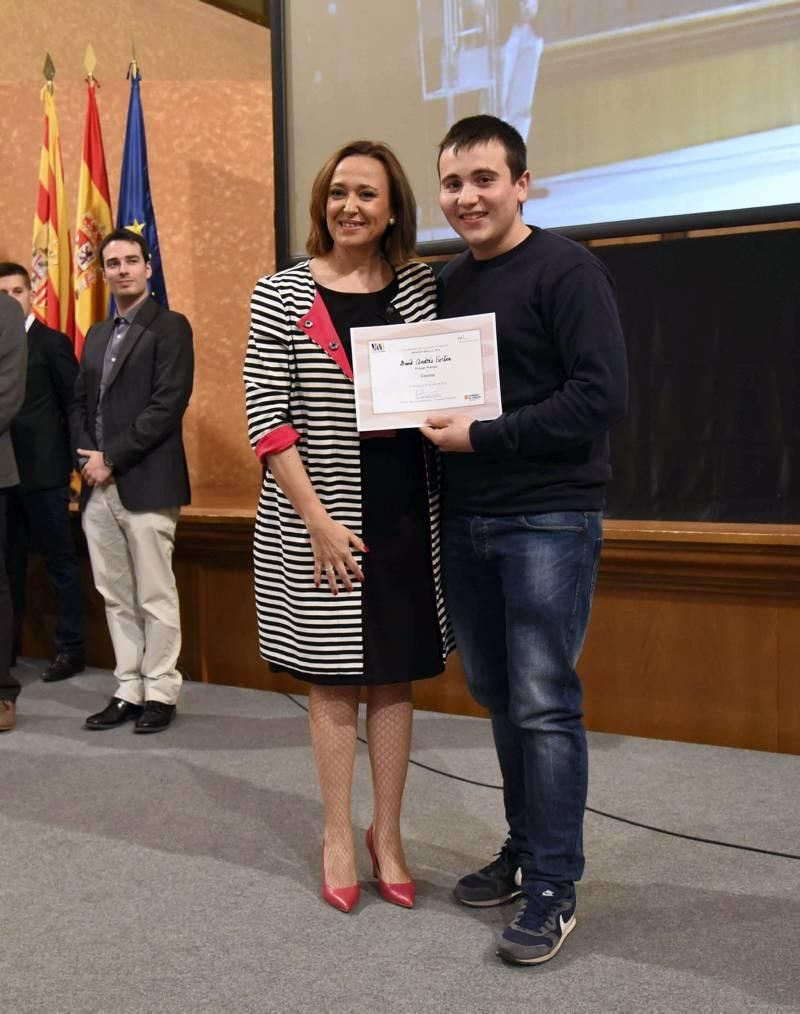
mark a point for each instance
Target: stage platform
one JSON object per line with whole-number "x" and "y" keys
{"x": 179, "y": 873}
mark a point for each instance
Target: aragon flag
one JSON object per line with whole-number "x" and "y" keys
{"x": 93, "y": 223}
{"x": 135, "y": 208}
{"x": 51, "y": 274}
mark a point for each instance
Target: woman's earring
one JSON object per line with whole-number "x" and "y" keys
{"x": 392, "y": 220}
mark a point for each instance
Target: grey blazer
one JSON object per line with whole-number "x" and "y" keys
{"x": 13, "y": 361}
{"x": 145, "y": 398}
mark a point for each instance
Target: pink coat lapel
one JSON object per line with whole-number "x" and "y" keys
{"x": 317, "y": 324}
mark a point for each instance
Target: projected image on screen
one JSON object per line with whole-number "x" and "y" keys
{"x": 632, "y": 109}
{"x": 463, "y": 54}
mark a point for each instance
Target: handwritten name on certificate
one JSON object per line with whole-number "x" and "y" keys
{"x": 436, "y": 372}
{"x": 405, "y": 372}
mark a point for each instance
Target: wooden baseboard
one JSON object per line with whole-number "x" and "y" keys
{"x": 695, "y": 632}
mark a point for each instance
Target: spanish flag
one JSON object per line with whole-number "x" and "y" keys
{"x": 51, "y": 277}
{"x": 93, "y": 223}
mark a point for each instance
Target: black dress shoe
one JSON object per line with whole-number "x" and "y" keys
{"x": 63, "y": 667}
{"x": 155, "y": 717}
{"x": 115, "y": 713}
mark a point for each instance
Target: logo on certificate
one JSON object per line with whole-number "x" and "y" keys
{"x": 376, "y": 346}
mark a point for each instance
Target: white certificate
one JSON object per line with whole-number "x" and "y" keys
{"x": 405, "y": 372}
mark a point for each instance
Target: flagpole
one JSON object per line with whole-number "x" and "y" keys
{"x": 133, "y": 66}
{"x": 89, "y": 64}
{"x": 49, "y": 71}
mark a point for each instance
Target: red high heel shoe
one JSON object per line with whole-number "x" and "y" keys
{"x": 343, "y": 898}
{"x": 398, "y": 894}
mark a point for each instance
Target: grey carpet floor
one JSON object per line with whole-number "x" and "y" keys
{"x": 179, "y": 873}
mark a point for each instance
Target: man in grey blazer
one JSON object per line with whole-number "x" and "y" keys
{"x": 13, "y": 361}
{"x": 132, "y": 390}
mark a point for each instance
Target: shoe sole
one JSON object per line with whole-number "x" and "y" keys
{"x": 102, "y": 728}
{"x": 570, "y": 926}
{"x": 158, "y": 728}
{"x": 58, "y": 678}
{"x": 491, "y": 903}
{"x": 112, "y": 725}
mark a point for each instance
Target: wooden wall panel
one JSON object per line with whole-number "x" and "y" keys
{"x": 207, "y": 99}
{"x": 695, "y": 633}
{"x": 788, "y": 690}
{"x": 682, "y": 667}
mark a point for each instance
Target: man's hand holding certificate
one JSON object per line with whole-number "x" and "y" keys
{"x": 449, "y": 432}
{"x": 406, "y": 373}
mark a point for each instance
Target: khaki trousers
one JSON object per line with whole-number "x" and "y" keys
{"x": 131, "y": 554}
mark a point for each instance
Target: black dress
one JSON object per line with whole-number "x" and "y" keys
{"x": 402, "y": 640}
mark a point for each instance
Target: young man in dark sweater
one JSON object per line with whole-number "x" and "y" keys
{"x": 523, "y": 527}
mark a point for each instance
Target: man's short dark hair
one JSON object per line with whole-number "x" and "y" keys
{"x": 9, "y": 268}
{"x": 474, "y": 130}
{"x": 130, "y": 237}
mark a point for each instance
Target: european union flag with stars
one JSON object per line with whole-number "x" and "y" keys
{"x": 135, "y": 208}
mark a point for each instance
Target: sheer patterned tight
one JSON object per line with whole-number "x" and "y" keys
{"x": 333, "y": 719}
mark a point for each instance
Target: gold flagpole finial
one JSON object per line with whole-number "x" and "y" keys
{"x": 49, "y": 71}
{"x": 90, "y": 62}
{"x": 133, "y": 70}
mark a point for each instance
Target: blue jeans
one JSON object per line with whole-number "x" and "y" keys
{"x": 519, "y": 591}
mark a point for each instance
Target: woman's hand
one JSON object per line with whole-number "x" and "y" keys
{"x": 332, "y": 543}
{"x": 333, "y": 546}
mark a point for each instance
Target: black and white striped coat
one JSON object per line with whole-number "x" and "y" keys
{"x": 299, "y": 390}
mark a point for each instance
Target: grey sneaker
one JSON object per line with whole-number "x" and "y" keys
{"x": 541, "y": 926}
{"x": 495, "y": 884}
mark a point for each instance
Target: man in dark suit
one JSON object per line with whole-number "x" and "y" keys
{"x": 133, "y": 388}
{"x": 13, "y": 355}
{"x": 38, "y": 509}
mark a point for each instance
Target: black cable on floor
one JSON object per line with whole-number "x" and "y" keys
{"x": 591, "y": 809}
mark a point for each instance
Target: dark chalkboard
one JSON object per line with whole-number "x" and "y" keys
{"x": 713, "y": 334}
{"x": 712, "y": 327}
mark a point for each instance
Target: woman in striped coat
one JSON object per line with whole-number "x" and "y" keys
{"x": 346, "y": 552}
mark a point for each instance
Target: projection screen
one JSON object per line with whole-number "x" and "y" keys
{"x": 639, "y": 115}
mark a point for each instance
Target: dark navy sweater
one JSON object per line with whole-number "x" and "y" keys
{"x": 563, "y": 378}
